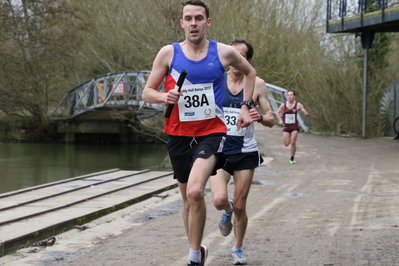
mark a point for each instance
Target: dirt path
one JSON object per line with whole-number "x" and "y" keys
{"x": 338, "y": 205}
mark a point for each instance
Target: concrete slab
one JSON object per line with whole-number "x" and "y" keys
{"x": 42, "y": 212}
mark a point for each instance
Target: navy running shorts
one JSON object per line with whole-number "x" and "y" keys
{"x": 242, "y": 161}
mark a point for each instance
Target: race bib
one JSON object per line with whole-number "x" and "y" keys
{"x": 231, "y": 118}
{"x": 289, "y": 118}
{"x": 197, "y": 102}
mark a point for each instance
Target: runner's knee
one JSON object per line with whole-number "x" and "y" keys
{"x": 239, "y": 208}
{"x": 195, "y": 194}
{"x": 220, "y": 202}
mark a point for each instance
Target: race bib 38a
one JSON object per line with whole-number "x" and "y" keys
{"x": 197, "y": 102}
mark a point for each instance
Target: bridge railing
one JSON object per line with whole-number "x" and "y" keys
{"x": 341, "y": 9}
{"x": 117, "y": 90}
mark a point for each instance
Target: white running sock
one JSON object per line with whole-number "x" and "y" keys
{"x": 234, "y": 248}
{"x": 227, "y": 213}
{"x": 230, "y": 212}
{"x": 194, "y": 256}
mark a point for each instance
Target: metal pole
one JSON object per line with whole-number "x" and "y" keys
{"x": 367, "y": 41}
{"x": 366, "y": 51}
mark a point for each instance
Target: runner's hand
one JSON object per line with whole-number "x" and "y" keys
{"x": 244, "y": 118}
{"x": 172, "y": 96}
{"x": 254, "y": 115}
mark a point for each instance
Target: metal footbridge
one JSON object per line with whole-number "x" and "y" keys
{"x": 104, "y": 104}
{"x": 116, "y": 91}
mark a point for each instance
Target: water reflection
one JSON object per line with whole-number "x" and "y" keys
{"x": 24, "y": 165}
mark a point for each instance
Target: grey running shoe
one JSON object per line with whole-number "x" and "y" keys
{"x": 225, "y": 224}
{"x": 238, "y": 257}
{"x": 204, "y": 256}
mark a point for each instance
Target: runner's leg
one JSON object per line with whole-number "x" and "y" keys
{"x": 294, "y": 135}
{"x": 219, "y": 190}
{"x": 286, "y": 138}
{"x": 199, "y": 175}
{"x": 186, "y": 207}
{"x": 242, "y": 185}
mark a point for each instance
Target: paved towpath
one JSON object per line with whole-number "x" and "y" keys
{"x": 337, "y": 206}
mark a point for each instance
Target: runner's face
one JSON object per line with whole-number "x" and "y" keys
{"x": 194, "y": 23}
{"x": 290, "y": 96}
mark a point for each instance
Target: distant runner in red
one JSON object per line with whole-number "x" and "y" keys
{"x": 289, "y": 121}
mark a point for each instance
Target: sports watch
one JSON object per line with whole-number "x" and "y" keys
{"x": 247, "y": 103}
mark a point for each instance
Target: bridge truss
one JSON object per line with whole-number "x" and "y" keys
{"x": 112, "y": 91}
{"x": 118, "y": 91}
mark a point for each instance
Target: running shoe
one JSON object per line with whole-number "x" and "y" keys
{"x": 225, "y": 224}
{"x": 292, "y": 161}
{"x": 204, "y": 256}
{"x": 238, "y": 257}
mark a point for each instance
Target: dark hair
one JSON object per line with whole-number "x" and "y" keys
{"x": 196, "y": 3}
{"x": 292, "y": 92}
{"x": 250, "y": 49}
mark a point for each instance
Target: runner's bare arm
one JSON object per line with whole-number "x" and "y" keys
{"x": 230, "y": 56}
{"x": 300, "y": 107}
{"x": 159, "y": 70}
{"x": 279, "y": 110}
{"x": 262, "y": 99}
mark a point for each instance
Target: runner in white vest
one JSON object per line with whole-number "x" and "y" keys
{"x": 241, "y": 151}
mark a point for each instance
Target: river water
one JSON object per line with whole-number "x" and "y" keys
{"x": 24, "y": 165}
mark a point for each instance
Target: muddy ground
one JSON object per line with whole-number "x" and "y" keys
{"x": 338, "y": 205}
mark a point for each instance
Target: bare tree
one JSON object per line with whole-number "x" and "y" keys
{"x": 38, "y": 39}
{"x": 128, "y": 35}
{"x": 41, "y": 55}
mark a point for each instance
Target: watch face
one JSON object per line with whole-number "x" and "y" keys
{"x": 247, "y": 103}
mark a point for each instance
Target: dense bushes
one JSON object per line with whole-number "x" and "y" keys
{"x": 95, "y": 37}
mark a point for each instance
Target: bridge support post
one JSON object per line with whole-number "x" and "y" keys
{"x": 123, "y": 133}
{"x": 367, "y": 38}
{"x": 69, "y": 137}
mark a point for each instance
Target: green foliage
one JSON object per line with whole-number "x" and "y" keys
{"x": 127, "y": 35}
{"x": 59, "y": 44}
{"x": 378, "y": 80}
{"x": 37, "y": 44}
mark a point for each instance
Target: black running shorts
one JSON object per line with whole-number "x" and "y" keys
{"x": 242, "y": 161}
{"x": 183, "y": 151}
{"x": 291, "y": 130}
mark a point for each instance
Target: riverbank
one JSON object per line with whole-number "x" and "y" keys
{"x": 30, "y": 164}
{"x": 47, "y": 210}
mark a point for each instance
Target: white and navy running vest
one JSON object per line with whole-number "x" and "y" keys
{"x": 242, "y": 141}
{"x": 199, "y": 111}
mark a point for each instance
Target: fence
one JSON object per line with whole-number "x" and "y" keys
{"x": 338, "y": 9}
{"x": 116, "y": 90}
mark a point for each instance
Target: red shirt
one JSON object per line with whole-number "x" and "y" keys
{"x": 290, "y": 117}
